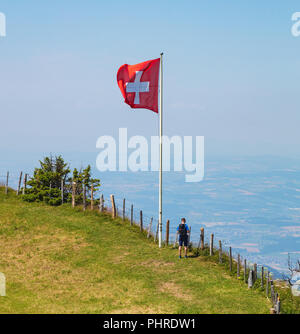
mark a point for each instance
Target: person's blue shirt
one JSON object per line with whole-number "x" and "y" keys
{"x": 186, "y": 228}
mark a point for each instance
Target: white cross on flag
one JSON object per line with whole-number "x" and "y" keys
{"x": 139, "y": 84}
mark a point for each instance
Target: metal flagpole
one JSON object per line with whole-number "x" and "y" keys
{"x": 160, "y": 150}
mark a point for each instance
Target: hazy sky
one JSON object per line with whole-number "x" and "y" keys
{"x": 232, "y": 72}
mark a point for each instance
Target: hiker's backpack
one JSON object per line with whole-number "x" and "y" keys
{"x": 182, "y": 230}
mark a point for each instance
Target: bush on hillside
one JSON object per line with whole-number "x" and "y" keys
{"x": 45, "y": 185}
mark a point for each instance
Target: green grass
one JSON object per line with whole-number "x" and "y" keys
{"x": 63, "y": 260}
{"x": 289, "y": 303}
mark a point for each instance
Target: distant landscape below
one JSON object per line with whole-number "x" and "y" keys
{"x": 251, "y": 204}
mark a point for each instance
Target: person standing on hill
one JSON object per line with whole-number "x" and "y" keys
{"x": 183, "y": 233}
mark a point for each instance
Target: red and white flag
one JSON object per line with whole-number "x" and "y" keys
{"x": 139, "y": 84}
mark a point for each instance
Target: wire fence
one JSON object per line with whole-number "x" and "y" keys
{"x": 253, "y": 274}
{"x": 137, "y": 217}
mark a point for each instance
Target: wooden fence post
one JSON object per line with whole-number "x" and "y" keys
{"x": 123, "y": 216}
{"x": 189, "y": 235}
{"x": 62, "y": 190}
{"x": 24, "y": 184}
{"x": 150, "y": 228}
{"x": 50, "y": 188}
{"x": 73, "y": 193}
{"x": 156, "y": 234}
{"x": 254, "y": 272}
{"x": 176, "y": 238}
{"x": 211, "y": 245}
{"x": 262, "y": 277}
{"x": 141, "y": 220}
{"x": 167, "y": 232}
{"x": 84, "y": 196}
{"x": 245, "y": 270}
{"x": 202, "y": 238}
{"x": 238, "y": 266}
{"x": 6, "y": 185}
{"x": 92, "y": 197}
{"x": 250, "y": 279}
{"x": 131, "y": 215}
{"x": 230, "y": 259}
{"x": 220, "y": 251}
{"x": 102, "y": 203}
{"x": 278, "y": 304}
{"x": 198, "y": 245}
{"x": 19, "y": 184}
{"x": 23, "y": 188}
{"x": 113, "y": 206}
{"x": 267, "y": 283}
{"x": 272, "y": 292}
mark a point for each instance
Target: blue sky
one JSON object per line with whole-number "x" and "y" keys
{"x": 231, "y": 74}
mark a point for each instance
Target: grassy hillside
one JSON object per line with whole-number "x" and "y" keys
{"x": 61, "y": 260}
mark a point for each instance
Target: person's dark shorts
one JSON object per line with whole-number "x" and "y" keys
{"x": 183, "y": 241}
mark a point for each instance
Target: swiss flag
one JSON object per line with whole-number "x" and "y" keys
{"x": 139, "y": 84}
